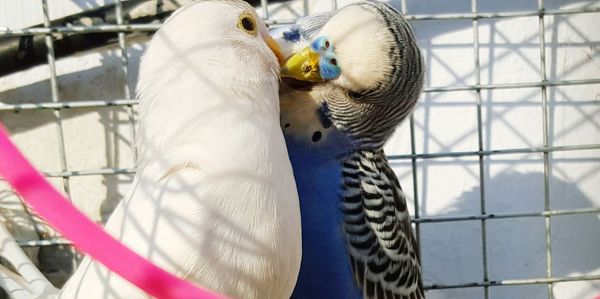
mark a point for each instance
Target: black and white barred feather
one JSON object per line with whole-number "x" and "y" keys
{"x": 380, "y": 240}
{"x": 382, "y": 248}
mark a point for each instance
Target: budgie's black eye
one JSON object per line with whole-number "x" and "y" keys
{"x": 333, "y": 61}
{"x": 357, "y": 96}
{"x": 247, "y": 23}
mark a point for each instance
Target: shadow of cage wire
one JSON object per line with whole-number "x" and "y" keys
{"x": 500, "y": 159}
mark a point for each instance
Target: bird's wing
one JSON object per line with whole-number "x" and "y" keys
{"x": 154, "y": 221}
{"x": 307, "y": 27}
{"x": 187, "y": 219}
{"x": 381, "y": 244}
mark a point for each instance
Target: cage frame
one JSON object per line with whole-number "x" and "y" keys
{"x": 129, "y": 102}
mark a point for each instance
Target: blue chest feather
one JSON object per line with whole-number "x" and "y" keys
{"x": 325, "y": 271}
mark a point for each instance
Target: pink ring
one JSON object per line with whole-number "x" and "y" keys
{"x": 86, "y": 235}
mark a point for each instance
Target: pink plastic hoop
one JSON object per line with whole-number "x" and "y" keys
{"x": 87, "y": 235}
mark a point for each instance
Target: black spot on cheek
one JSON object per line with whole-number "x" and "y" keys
{"x": 324, "y": 115}
{"x": 325, "y": 122}
{"x": 286, "y": 125}
{"x": 317, "y": 136}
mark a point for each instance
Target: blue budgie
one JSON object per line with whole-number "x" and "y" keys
{"x": 353, "y": 76}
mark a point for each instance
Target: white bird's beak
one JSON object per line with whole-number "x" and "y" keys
{"x": 274, "y": 47}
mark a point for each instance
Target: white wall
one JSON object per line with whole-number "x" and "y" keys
{"x": 26, "y": 13}
{"x": 444, "y": 122}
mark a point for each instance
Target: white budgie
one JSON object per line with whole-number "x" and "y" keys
{"x": 214, "y": 199}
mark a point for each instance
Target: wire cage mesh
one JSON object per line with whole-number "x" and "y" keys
{"x": 500, "y": 159}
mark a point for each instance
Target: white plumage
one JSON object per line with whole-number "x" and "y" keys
{"x": 214, "y": 199}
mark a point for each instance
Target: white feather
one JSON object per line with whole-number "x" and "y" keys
{"x": 214, "y": 199}
{"x": 361, "y": 41}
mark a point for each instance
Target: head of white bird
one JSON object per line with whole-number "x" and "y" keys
{"x": 206, "y": 53}
{"x": 208, "y": 33}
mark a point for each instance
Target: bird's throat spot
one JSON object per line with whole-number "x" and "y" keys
{"x": 317, "y": 136}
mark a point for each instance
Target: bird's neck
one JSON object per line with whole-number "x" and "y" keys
{"x": 326, "y": 269}
{"x": 307, "y": 122}
{"x": 197, "y": 115}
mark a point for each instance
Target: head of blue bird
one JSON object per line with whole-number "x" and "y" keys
{"x": 315, "y": 63}
{"x": 362, "y": 63}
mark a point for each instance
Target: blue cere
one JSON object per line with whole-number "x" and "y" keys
{"x": 328, "y": 64}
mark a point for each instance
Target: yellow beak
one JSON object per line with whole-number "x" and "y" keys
{"x": 275, "y": 48}
{"x": 303, "y": 66}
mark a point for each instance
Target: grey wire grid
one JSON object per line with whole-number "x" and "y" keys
{"x": 120, "y": 28}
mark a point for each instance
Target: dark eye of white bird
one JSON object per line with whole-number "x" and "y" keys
{"x": 327, "y": 44}
{"x": 248, "y": 24}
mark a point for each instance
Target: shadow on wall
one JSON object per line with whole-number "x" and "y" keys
{"x": 104, "y": 82}
{"x": 509, "y": 53}
{"x": 516, "y": 246}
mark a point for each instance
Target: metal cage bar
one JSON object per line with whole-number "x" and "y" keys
{"x": 484, "y": 251}
{"x": 507, "y": 282}
{"x": 413, "y": 151}
{"x": 115, "y": 171}
{"x": 483, "y": 217}
{"x": 55, "y": 97}
{"x": 154, "y": 27}
{"x": 265, "y": 8}
{"x": 129, "y": 92}
{"x": 413, "y": 164}
{"x": 49, "y": 39}
{"x": 130, "y": 102}
{"x": 544, "y": 92}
